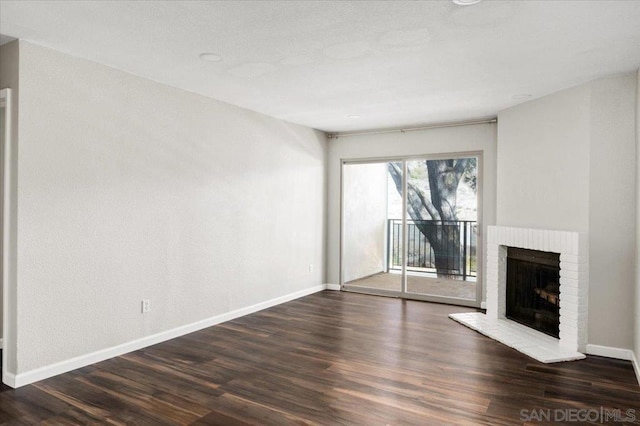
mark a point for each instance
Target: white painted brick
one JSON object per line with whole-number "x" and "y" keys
{"x": 562, "y": 241}
{"x": 569, "y": 266}
{"x": 568, "y": 282}
{"x": 570, "y": 325}
{"x": 565, "y": 243}
{"x": 568, "y": 332}
{"x": 569, "y": 302}
{"x": 584, "y": 268}
{"x": 568, "y": 299}
{"x": 492, "y": 309}
{"x": 573, "y": 243}
{"x": 555, "y": 242}
{"x": 583, "y": 298}
{"x": 572, "y": 310}
{"x": 583, "y": 244}
{"x": 572, "y": 258}
{"x": 566, "y": 289}
{"x": 583, "y": 330}
{"x": 573, "y": 299}
{"x": 569, "y": 344}
{"x": 570, "y": 318}
{"x": 572, "y": 275}
{"x": 575, "y": 275}
{"x": 583, "y": 274}
{"x": 569, "y": 313}
{"x": 552, "y": 242}
{"x": 502, "y": 235}
{"x": 493, "y": 264}
{"x": 491, "y": 235}
{"x": 569, "y": 340}
{"x": 527, "y": 237}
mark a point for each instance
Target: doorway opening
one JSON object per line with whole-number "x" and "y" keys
{"x": 410, "y": 227}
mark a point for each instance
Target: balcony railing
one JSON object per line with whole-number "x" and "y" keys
{"x": 459, "y": 245}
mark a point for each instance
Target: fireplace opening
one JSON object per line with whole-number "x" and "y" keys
{"x": 533, "y": 289}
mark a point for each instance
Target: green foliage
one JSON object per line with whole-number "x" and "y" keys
{"x": 470, "y": 174}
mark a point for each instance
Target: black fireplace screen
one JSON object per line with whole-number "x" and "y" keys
{"x": 533, "y": 289}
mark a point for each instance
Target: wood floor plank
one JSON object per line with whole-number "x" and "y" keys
{"x": 331, "y": 358}
{"x": 234, "y": 410}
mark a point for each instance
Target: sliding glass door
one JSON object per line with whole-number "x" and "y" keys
{"x": 431, "y": 203}
{"x": 372, "y": 243}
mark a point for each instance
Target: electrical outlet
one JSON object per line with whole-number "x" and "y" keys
{"x": 310, "y": 267}
{"x": 146, "y": 306}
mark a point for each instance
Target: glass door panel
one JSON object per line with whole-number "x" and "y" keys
{"x": 442, "y": 214}
{"x": 372, "y": 250}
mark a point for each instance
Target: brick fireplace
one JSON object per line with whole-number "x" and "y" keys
{"x": 573, "y": 305}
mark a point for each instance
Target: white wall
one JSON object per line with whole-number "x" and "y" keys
{"x": 130, "y": 190}
{"x": 612, "y": 204}
{"x": 365, "y": 214}
{"x": 9, "y": 73}
{"x": 637, "y": 320}
{"x": 543, "y": 162}
{"x": 2, "y": 137}
{"x": 566, "y": 162}
{"x": 480, "y": 137}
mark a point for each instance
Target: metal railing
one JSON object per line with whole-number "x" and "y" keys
{"x": 457, "y": 241}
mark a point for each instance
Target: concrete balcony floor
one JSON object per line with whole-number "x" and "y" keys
{"x": 420, "y": 284}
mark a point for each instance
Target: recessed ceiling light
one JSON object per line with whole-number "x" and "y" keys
{"x": 354, "y": 116}
{"x": 211, "y": 57}
{"x": 521, "y": 96}
{"x": 465, "y": 2}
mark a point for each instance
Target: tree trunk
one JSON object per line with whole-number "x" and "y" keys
{"x": 444, "y": 177}
{"x": 436, "y": 218}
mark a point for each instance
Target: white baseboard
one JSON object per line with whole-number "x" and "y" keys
{"x": 610, "y": 352}
{"x": 42, "y": 373}
{"x": 335, "y": 287}
{"x": 617, "y": 353}
{"x": 636, "y": 366}
{"x": 9, "y": 379}
{"x": 483, "y": 305}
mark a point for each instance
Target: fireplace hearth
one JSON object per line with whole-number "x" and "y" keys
{"x": 533, "y": 289}
{"x": 571, "y": 297}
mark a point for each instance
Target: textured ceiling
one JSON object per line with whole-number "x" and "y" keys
{"x": 316, "y": 63}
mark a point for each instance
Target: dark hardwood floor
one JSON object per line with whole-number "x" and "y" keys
{"x": 329, "y": 358}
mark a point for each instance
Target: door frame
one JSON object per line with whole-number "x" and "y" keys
{"x": 8, "y": 254}
{"x": 403, "y": 293}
